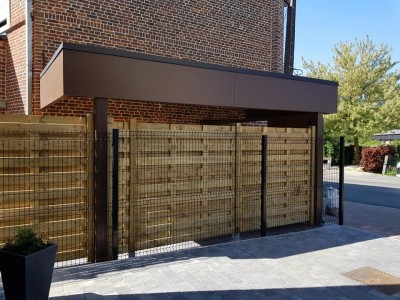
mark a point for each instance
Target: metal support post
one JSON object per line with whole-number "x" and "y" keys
{"x": 100, "y": 179}
{"x": 115, "y": 192}
{"x": 341, "y": 179}
{"x": 264, "y": 185}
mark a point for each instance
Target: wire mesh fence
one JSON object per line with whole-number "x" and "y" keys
{"x": 330, "y": 205}
{"x": 166, "y": 190}
{"x": 184, "y": 189}
{"x": 44, "y": 179}
{"x": 290, "y": 183}
{"x": 333, "y": 188}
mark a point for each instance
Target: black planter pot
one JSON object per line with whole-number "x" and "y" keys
{"x": 28, "y": 276}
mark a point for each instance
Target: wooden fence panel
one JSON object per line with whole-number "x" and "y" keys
{"x": 188, "y": 182}
{"x": 180, "y": 184}
{"x": 248, "y": 189}
{"x": 185, "y": 183}
{"x": 177, "y": 183}
{"x": 44, "y": 180}
{"x": 290, "y": 176}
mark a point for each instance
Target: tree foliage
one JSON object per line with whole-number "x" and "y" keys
{"x": 369, "y": 89}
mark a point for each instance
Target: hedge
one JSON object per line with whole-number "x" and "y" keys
{"x": 372, "y": 158}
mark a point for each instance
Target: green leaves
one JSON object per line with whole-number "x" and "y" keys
{"x": 369, "y": 89}
{"x": 26, "y": 242}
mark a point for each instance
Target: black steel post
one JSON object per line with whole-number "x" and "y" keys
{"x": 115, "y": 192}
{"x": 264, "y": 185}
{"x": 318, "y": 168}
{"x": 100, "y": 180}
{"x": 341, "y": 179}
{"x": 290, "y": 37}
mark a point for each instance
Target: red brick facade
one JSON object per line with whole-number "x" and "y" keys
{"x": 240, "y": 33}
{"x": 15, "y": 64}
{"x": 3, "y": 57}
{"x": 16, "y": 70}
{"x": 150, "y": 112}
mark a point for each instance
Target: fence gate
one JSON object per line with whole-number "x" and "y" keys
{"x": 184, "y": 185}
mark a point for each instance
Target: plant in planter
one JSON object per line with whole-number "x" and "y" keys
{"x": 26, "y": 266}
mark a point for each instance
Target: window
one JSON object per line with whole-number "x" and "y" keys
{"x": 4, "y": 15}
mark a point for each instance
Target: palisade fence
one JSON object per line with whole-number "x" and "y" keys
{"x": 169, "y": 186}
{"x": 180, "y": 186}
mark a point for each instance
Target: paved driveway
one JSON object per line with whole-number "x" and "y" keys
{"x": 302, "y": 265}
{"x": 372, "y": 189}
{"x": 313, "y": 264}
{"x": 372, "y": 203}
{"x": 384, "y": 221}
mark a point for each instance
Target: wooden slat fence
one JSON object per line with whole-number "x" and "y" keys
{"x": 177, "y": 183}
{"x": 290, "y": 184}
{"x": 45, "y": 180}
{"x": 181, "y": 183}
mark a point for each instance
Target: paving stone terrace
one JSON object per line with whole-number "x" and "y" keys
{"x": 303, "y": 265}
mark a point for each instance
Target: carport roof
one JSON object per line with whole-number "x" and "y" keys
{"x": 89, "y": 71}
{"x": 387, "y": 136}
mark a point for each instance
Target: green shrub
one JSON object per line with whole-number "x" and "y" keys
{"x": 27, "y": 241}
{"x": 372, "y": 159}
{"x": 391, "y": 172}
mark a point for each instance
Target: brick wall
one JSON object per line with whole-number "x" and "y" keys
{"x": 3, "y": 56}
{"x": 149, "y": 112}
{"x": 277, "y": 44}
{"x": 239, "y": 33}
{"x": 15, "y": 59}
{"x": 17, "y": 12}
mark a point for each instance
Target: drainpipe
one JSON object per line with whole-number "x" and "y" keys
{"x": 290, "y": 36}
{"x": 28, "y": 54}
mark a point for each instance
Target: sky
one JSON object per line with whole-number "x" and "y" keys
{"x": 320, "y": 24}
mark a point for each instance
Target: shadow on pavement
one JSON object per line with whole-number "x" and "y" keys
{"x": 332, "y": 292}
{"x": 272, "y": 247}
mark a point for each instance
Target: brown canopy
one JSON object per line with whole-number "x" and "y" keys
{"x": 87, "y": 71}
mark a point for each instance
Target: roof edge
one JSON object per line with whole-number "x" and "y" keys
{"x": 182, "y": 62}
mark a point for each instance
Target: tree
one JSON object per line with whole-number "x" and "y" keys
{"x": 369, "y": 90}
